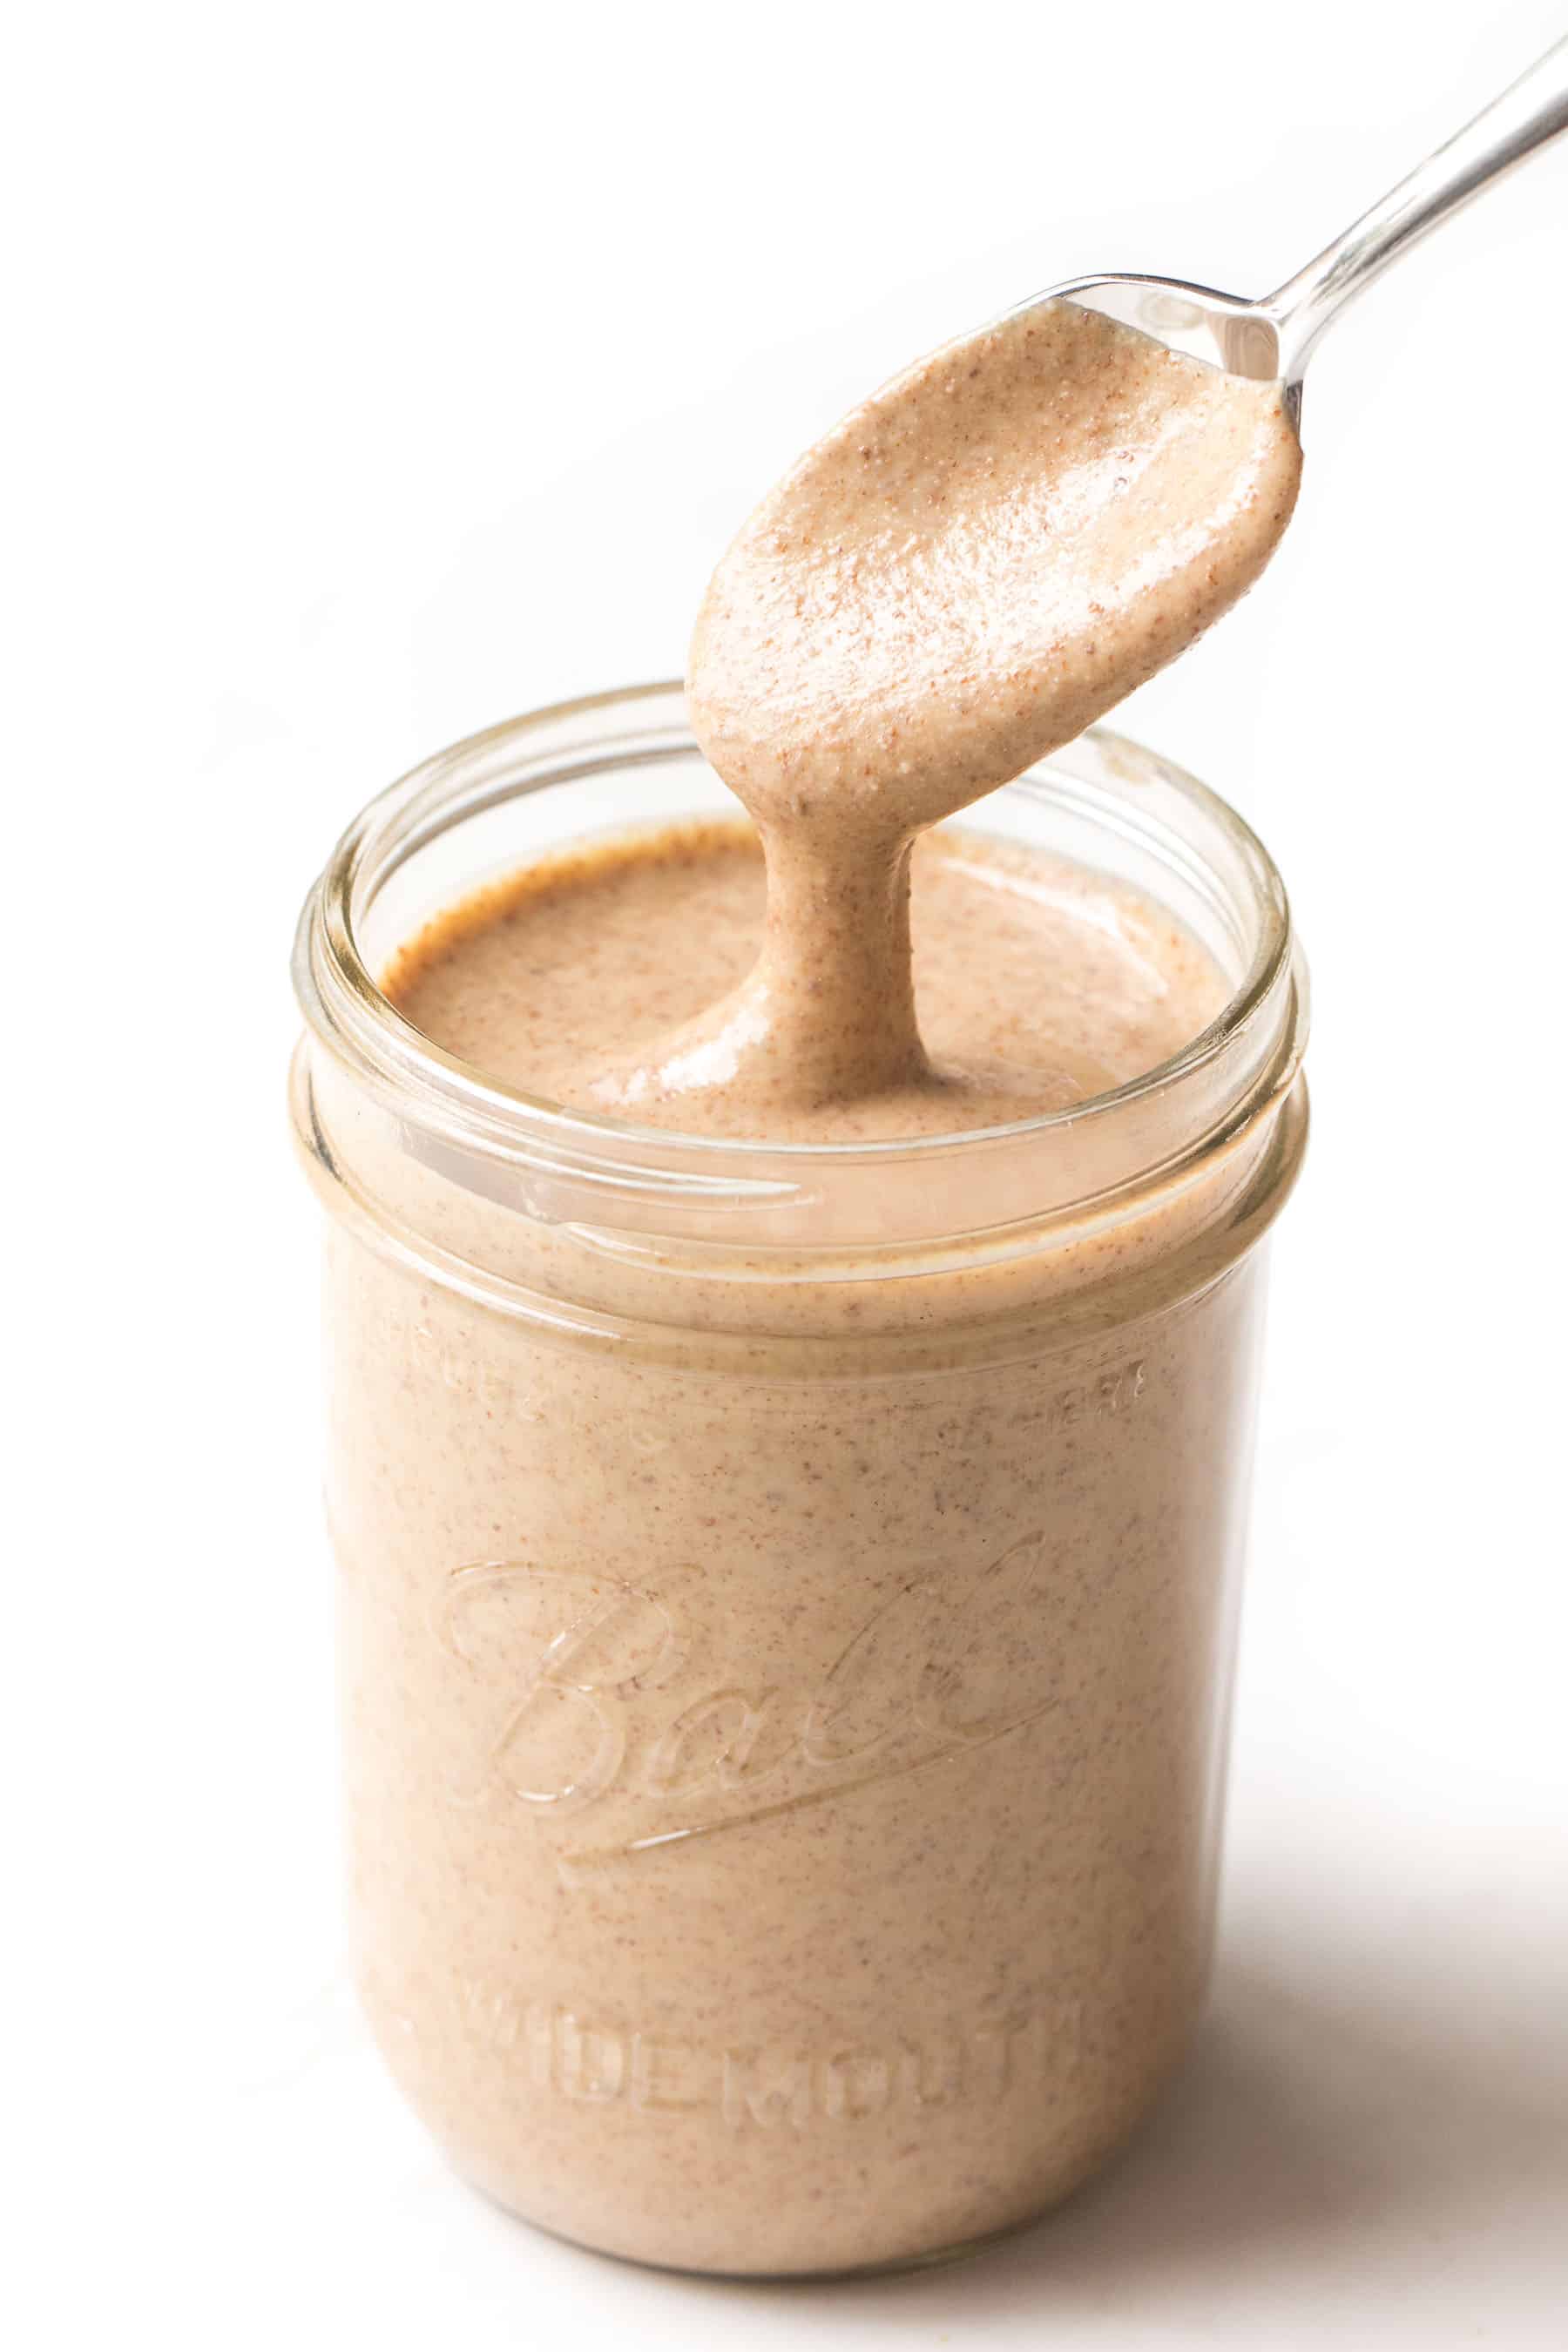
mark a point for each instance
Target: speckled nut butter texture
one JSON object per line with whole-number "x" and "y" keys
{"x": 785, "y": 1686}
{"x": 963, "y": 575}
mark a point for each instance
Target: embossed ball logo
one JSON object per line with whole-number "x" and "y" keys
{"x": 600, "y": 1691}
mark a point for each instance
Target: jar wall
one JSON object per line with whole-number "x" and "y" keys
{"x": 831, "y": 1890}
{"x": 788, "y": 1594}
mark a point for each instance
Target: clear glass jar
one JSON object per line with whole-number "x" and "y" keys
{"x": 788, "y": 1593}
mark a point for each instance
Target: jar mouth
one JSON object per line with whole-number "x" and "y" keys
{"x": 1104, "y": 786}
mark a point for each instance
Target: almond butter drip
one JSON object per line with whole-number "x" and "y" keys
{"x": 957, "y": 579}
{"x": 1038, "y": 982}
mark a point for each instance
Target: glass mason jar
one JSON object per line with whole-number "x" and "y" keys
{"x": 788, "y": 1592}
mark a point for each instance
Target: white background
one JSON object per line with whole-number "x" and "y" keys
{"x": 375, "y": 372}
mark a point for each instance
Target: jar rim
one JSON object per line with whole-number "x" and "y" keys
{"x": 344, "y": 1006}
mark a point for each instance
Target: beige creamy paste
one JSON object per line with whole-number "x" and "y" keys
{"x": 957, "y": 579}
{"x": 784, "y": 1746}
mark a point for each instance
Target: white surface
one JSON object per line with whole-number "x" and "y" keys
{"x": 386, "y": 371}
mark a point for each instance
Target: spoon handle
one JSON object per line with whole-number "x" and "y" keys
{"x": 1531, "y": 112}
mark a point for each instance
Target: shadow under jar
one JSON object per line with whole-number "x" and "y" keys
{"x": 788, "y": 1593}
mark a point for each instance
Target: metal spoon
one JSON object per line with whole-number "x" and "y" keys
{"x": 1273, "y": 338}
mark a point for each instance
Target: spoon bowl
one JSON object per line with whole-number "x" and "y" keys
{"x": 1242, "y": 338}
